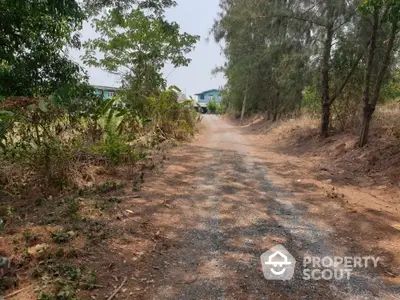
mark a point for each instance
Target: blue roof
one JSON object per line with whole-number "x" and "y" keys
{"x": 213, "y": 90}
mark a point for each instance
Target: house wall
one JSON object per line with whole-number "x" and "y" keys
{"x": 210, "y": 96}
{"x": 106, "y": 93}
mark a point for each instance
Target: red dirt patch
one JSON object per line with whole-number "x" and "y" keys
{"x": 355, "y": 191}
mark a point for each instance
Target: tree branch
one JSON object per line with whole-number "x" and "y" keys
{"x": 294, "y": 17}
{"x": 349, "y": 74}
{"x": 385, "y": 65}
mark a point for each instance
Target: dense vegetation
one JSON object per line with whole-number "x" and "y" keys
{"x": 283, "y": 56}
{"x": 51, "y": 121}
{"x": 65, "y": 152}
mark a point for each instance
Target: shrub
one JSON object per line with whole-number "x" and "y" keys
{"x": 212, "y": 107}
{"x": 311, "y": 100}
{"x": 53, "y": 138}
{"x": 115, "y": 148}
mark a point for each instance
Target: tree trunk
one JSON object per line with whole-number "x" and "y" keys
{"x": 326, "y": 117}
{"x": 268, "y": 114}
{"x": 276, "y": 106}
{"x": 368, "y": 111}
{"x": 367, "y": 82}
{"x": 243, "y": 106}
{"x": 325, "y": 97}
{"x": 369, "y": 107}
{"x": 385, "y": 65}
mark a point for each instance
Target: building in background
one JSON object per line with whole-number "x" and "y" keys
{"x": 107, "y": 91}
{"x": 209, "y": 96}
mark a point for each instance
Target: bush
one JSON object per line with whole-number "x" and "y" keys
{"x": 311, "y": 100}
{"x": 216, "y": 108}
{"x": 170, "y": 118}
{"x": 212, "y": 107}
{"x": 53, "y": 138}
{"x": 221, "y": 109}
{"x": 115, "y": 148}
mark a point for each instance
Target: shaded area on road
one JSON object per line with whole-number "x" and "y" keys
{"x": 202, "y": 224}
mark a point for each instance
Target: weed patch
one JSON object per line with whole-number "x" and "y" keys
{"x": 62, "y": 280}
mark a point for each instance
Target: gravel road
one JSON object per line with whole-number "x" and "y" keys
{"x": 221, "y": 213}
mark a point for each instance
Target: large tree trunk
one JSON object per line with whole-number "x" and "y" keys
{"x": 326, "y": 117}
{"x": 385, "y": 65}
{"x": 367, "y": 82}
{"x": 274, "y": 117}
{"x": 369, "y": 106}
{"x": 325, "y": 66}
{"x": 368, "y": 111}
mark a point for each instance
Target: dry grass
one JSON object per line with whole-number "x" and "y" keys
{"x": 377, "y": 162}
{"x": 387, "y": 118}
{"x": 385, "y": 125}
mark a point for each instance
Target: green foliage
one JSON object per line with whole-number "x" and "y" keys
{"x": 170, "y": 118}
{"x": 323, "y": 56}
{"x": 29, "y": 236}
{"x": 60, "y": 237}
{"x": 56, "y": 124}
{"x": 137, "y": 46}
{"x": 71, "y": 208}
{"x": 216, "y": 107}
{"x": 212, "y": 107}
{"x": 66, "y": 279}
{"x": 156, "y": 7}
{"x": 115, "y": 148}
{"x": 108, "y": 187}
{"x": 391, "y": 90}
{"x": 34, "y": 35}
{"x": 311, "y": 101}
{"x": 264, "y": 65}
{"x": 6, "y": 211}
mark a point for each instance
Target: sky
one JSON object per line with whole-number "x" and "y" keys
{"x": 195, "y": 17}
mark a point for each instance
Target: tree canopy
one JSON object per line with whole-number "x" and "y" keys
{"x": 137, "y": 45}
{"x": 278, "y": 52}
{"x": 34, "y": 39}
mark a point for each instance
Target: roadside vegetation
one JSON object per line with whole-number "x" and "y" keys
{"x": 64, "y": 149}
{"x": 336, "y": 60}
{"x": 216, "y": 107}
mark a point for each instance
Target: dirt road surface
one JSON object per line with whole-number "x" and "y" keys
{"x": 213, "y": 210}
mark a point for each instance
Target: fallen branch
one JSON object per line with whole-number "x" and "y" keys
{"x": 127, "y": 197}
{"x": 117, "y": 289}
{"x": 19, "y": 291}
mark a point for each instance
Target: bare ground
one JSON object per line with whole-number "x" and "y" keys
{"x": 201, "y": 223}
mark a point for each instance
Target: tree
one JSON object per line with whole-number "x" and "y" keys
{"x": 275, "y": 49}
{"x": 94, "y": 7}
{"x": 136, "y": 46}
{"x": 385, "y": 17}
{"x": 34, "y": 36}
{"x": 266, "y": 57}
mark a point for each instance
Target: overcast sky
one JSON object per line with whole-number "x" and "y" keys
{"x": 195, "y": 17}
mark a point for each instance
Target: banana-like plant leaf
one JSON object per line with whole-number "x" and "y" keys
{"x": 106, "y": 105}
{"x": 5, "y": 114}
{"x": 43, "y": 105}
{"x": 32, "y": 107}
{"x": 175, "y": 88}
